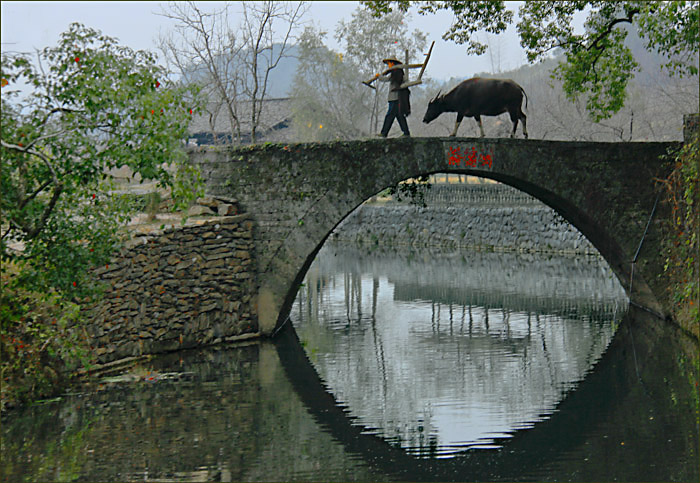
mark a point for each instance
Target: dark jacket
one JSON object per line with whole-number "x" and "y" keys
{"x": 395, "y": 79}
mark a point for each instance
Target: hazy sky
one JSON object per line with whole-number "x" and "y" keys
{"x": 26, "y": 25}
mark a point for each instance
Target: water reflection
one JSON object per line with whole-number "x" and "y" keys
{"x": 445, "y": 354}
{"x": 258, "y": 412}
{"x": 234, "y": 417}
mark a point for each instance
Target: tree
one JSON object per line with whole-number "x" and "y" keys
{"x": 94, "y": 106}
{"x": 261, "y": 24}
{"x": 470, "y": 17}
{"x": 598, "y": 65}
{"x": 232, "y": 65}
{"x": 206, "y": 52}
{"x": 369, "y": 39}
{"x": 328, "y": 99}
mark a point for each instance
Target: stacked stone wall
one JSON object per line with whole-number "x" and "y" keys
{"x": 460, "y": 194}
{"x": 177, "y": 288}
{"x": 527, "y": 228}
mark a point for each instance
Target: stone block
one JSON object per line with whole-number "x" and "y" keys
{"x": 199, "y": 210}
{"x": 219, "y": 255}
{"x": 225, "y": 209}
{"x": 184, "y": 264}
{"x": 208, "y": 202}
{"x": 214, "y": 263}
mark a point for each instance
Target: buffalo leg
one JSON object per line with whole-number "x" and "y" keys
{"x": 513, "y": 117}
{"x": 457, "y": 123}
{"x": 481, "y": 126}
{"x": 523, "y": 118}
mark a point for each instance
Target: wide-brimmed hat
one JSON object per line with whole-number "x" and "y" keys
{"x": 391, "y": 59}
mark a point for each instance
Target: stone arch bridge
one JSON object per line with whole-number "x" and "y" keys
{"x": 296, "y": 194}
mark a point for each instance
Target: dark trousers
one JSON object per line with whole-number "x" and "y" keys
{"x": 391, "y": 114}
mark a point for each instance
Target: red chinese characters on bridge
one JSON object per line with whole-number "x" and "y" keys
{"x": 456, "y": 157}
{"x": 471, "y": 157}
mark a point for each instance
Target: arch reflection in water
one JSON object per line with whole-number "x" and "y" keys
{"x": 438, "y": 353}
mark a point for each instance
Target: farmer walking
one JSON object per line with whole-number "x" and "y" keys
{"x": 399, "y": 99}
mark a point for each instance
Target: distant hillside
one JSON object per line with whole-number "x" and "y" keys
{"x": 653, "y": 111}
{"x": 280, "y": 81}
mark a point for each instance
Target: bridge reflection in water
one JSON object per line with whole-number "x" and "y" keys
{"x": 442, "y": 353}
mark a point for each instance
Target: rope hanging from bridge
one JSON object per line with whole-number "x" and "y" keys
{"x": 641, "y": 242}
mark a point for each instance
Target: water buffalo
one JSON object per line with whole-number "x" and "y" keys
{"x": 476, "y": 97}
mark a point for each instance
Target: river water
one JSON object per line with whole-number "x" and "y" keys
{"x": 397, "y": 365}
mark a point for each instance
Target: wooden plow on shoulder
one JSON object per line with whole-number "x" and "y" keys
{"x": 406, "y": 66}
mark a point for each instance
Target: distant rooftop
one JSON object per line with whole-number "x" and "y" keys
{"x": 275, "y": 119}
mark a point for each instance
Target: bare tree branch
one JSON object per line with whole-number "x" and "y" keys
{"x": 207, "y": 41}
{"x": 258, "y": 23}
{"x": 226, "y": 53}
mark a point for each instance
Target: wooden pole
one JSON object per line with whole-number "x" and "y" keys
{"x": 405, "y": 71}
{"x": 405, "y": 68}
{"x": 425, "y": 62}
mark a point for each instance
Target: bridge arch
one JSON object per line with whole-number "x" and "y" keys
{"x": 298, "y": 193}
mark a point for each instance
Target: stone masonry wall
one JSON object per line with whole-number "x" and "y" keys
{"x": 528, "y": 228}
{"x": 178, "y": 288}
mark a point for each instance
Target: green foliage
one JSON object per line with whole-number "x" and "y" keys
{"x": 94, "y": 106}
{"x": 414, "y": 190}
{"x": 41, "y": 340}
{"x": 598, "y": 65}
{"x": 469, "y": 18}
{"x": 682, "y": 190}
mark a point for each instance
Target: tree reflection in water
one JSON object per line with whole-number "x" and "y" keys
{"x": 443, "y": 354}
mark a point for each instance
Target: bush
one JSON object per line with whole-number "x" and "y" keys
{"x": 41, "y": 340}
{"x": 682, "y": 267}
